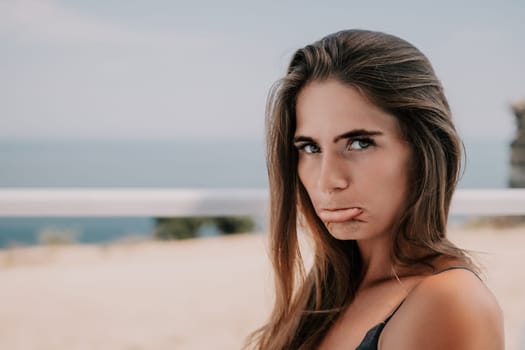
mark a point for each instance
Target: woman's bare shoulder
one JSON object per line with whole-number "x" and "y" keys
{"x": 450, "y": 310}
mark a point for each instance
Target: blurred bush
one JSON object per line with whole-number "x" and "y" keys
{"x": 57, "y": 236}
{"x": 190, "y": 227}
{"x": 496, "y": 221}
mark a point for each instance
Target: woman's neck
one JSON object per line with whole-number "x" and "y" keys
{"x": 378, "y": 263}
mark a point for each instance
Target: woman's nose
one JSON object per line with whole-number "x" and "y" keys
{"x": 333, "y": 175}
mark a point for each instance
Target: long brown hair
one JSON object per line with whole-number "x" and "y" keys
{"x": 398, "y": 78}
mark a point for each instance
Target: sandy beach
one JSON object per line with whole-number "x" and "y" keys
{"x": 196, "y": 294}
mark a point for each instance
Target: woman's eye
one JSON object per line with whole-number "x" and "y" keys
{"x": 359, "y": 144}
{"x": 310, "y": 148}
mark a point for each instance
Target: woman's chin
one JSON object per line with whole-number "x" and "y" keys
{"x": 346, "y": 230}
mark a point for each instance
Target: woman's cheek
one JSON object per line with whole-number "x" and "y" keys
{"x": 307, "y": 171}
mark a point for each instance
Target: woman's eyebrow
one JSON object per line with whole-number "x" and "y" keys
{"x": 356, "y": 133}
{"x": 346, "y": 135}
{"x": 303, "y": 139}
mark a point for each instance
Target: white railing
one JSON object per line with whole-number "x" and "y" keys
{"x": 132, "y": 202}
{"x": 202, "y": 202}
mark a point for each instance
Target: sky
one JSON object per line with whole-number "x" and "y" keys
{"x": 167, "y": 70}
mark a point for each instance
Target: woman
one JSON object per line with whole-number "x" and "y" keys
{"x": 363, "y": 155}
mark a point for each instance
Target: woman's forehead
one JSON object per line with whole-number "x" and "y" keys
{"x": 332, "y": 107}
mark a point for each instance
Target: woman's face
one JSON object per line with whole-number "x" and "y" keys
{"x": 353, "y": 161}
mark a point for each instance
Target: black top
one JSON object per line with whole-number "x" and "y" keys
{"x": 371, "y": 339}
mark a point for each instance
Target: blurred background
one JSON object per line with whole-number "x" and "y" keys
{"x": 142, "y": 94}
{"x": 172, "y": 94}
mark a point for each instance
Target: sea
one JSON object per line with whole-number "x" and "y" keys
{"x": 163, "y": 164}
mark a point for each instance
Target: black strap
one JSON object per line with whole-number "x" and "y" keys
{"x": 395, "y": 310}
{"x": 460, "y": 267}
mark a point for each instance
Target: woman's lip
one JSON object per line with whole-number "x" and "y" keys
{"x": 340, "y": 215}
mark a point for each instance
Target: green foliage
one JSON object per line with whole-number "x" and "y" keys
{"x": 177, "y": 228}
{"x": 188, "y": 227}
{"x": 234, "y": 224}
